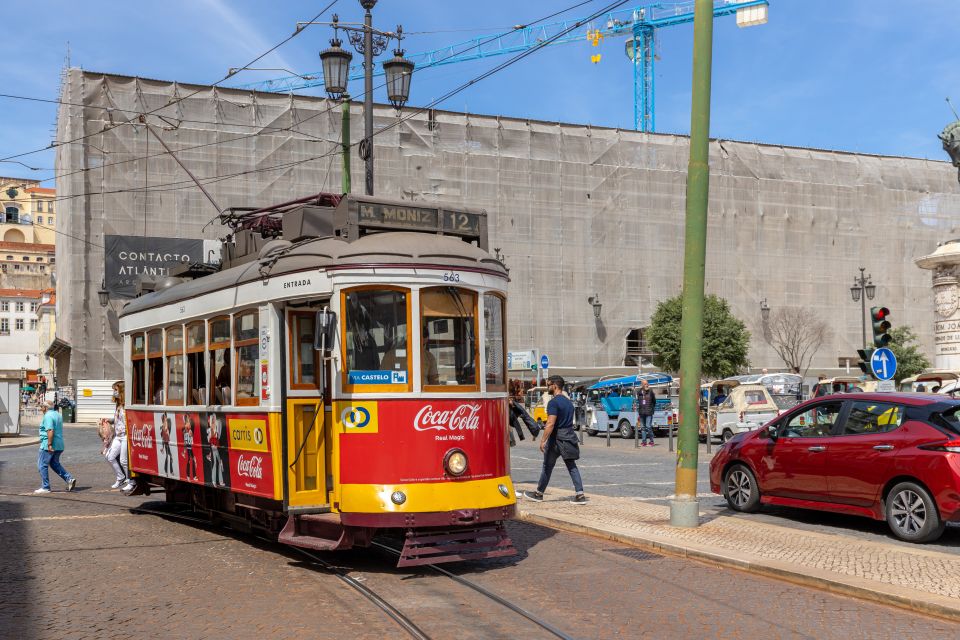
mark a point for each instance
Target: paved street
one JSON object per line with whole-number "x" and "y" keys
{"x": 648, "y": 474}
{"x": 82, "y": 565}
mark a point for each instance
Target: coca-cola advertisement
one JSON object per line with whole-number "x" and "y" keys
{"x": 253, "y": 473}
{"x": 421, "y": 432}
{"x": 141, "y": 430}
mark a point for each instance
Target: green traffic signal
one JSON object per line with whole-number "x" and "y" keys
{"x": 881, "y": 326}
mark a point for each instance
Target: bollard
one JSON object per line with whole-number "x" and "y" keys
{"x": 670, "y": 437}
{"x": 608, "y": 434}
{"x": 709, "y": 438}
{"x": 636, "y": 433}
{"x": 580, "y": 432}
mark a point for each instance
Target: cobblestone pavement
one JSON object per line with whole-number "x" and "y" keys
{"x": 82, "y": 565}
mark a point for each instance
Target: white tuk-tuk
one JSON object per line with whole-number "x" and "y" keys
{"x": 747, "y": 407}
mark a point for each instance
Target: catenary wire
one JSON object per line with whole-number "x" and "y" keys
{"x": 229, "y": 75}
{"x": 262, "y": 129}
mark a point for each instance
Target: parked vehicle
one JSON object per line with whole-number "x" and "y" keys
{"x": 611, "y": 405}
{"x": 892, "y": 456}
{"x": 536, "y": 401}
{"x": 786, "y": 389}
{"x": 746, "y": 407}
{"x": 842, "y": 384}
{"x": 943, "y": 381}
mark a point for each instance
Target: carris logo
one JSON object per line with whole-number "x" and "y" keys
{"x": 143, "y": 436}
{"x": 251, "y": 467}
{"x": 464, "y": 418}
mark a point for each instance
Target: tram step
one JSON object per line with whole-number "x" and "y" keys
{"x": 450, "y": 545}
{"x": 322, "y": 532}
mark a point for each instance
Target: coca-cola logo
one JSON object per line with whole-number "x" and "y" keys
{"x": 466, "y": 417}
{"x": 251, "y": 467}
{"x": 143, "y": 436}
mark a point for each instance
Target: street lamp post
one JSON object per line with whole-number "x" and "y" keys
{"x": 862, "y": 289}
{"x": 368, "y": 42}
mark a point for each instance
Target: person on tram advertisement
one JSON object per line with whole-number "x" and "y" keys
{"x": 187, "y": 452}
{"x": 165, "y": 427}
{"x": 214, "y": 468}
{"x": 559, "y": 441}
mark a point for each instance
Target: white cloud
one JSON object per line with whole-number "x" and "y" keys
{"x": 244, "y": 32}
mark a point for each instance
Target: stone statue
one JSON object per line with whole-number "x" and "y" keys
{"x": 950, "y": 137}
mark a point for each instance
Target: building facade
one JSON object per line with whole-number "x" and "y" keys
{"x": 20, "y": 330}
{"x": 579, "y": 213}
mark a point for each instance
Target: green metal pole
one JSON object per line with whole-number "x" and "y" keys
{"x": 684, "y": 508}
{"x": 345, "y": 143}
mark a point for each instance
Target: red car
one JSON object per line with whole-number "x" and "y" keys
{"x": 886, "y": 456}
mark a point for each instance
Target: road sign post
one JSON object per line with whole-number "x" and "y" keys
{"x": 545, "y": 365}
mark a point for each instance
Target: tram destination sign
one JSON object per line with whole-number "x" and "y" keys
{"x": 419, "y": 218}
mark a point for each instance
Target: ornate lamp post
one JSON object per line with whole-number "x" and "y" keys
{"x": 368, "y": 42}
{"x": 862, "y": 290}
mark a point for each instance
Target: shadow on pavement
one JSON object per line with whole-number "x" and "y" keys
{"x": 17, "y": 586}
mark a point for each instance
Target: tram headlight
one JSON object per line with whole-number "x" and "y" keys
{"x": 398, "y": 497}
{"x": 502, "y": 488}
{"x": 455, "y": 462}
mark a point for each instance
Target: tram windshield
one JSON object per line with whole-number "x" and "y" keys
{"x": 376, "y": 336}
{"x": 449, "y": 330}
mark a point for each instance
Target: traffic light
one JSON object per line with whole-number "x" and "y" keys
{"x": 865, "y": 356}
{"x": 881, "y": 326}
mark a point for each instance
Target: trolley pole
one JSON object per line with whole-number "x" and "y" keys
{"x": 684, "y": 508}
{"x": 345, "y": 144}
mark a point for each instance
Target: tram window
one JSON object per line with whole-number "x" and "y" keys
{"x": 138, "y": 356}
{"x": 196, "y": 364}
{"x": 494, "y": 348}
{"x": 248, "y": 349}
{"x": 174, "y": 352}
{"x": 220, "y": 372}
{"x": 303, "y": 357}
{"x": 376, "y": 337}
{"x": 155, "y": 367}
{"x": 448, "y": 326}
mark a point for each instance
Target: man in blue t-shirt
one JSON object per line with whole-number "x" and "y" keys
{"x": 559, "y": 441}
{"x": 51, "y": 447}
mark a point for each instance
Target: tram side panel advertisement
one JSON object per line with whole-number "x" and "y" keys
{"x": 422, "y": 432}
{"x": 228, "y": 451}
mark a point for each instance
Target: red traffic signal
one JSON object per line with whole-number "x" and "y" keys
{"x": 881, "y": 326}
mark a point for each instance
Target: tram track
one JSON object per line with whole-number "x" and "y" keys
{"x": 394, "y": 613}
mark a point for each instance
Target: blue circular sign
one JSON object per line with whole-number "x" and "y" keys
{"x": 883, "y": 363}
{"x": 544, "y": 362}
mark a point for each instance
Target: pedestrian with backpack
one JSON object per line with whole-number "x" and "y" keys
{"x": 559, "y": 441}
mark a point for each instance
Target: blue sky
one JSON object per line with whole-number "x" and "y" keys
{"x": 859, "y": 75}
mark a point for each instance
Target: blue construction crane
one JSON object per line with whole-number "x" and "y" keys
{"x": 639, "y": 24}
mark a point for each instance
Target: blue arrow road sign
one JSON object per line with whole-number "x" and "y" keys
{"x": 544, "y": 362}
{"x": 883, "y": 364}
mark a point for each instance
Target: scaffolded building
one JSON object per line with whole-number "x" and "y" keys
{"x": 577, "y": 211}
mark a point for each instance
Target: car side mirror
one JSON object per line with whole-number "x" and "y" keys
{"x": 772, "y": 432}
{"x": 325, "y": 330}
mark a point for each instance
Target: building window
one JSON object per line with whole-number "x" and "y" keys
{"x": 4, "y": 306}
{"x": 26, "y": 258}
{"x": 12, "y": 215}
{"x": 52, "y": 260}
{"x": 49, "y": 206}
{"x": 16, "y": 267}
{"x": 4, "y": 326}
{"x": 19, "y": 307}
{"x": 33, "y": 307}
{"x": 174, "y": 352}
{"x": 33, "y": 324}
{"x": 38, "y": 259}
{"x": 19, "y": 324}
{"x": 220, "y": 370}
{"x": 39, "y": 219}
{"x": 9, "y": 257}
{"x": 247, "y": 347}
{"x": 40, "y": 206}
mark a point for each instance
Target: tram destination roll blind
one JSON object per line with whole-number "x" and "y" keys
{"x": 419, "y": 218}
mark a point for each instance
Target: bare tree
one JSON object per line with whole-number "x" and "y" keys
{"x": 796, "y": 334}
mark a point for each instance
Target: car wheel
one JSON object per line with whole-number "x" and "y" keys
{"x": 912, "y": 514}
{"x": 741, "y": 490}
{"x": 626, "y": 431}
{"x": 727, "y": 434}
{"x": 592, "y": 432}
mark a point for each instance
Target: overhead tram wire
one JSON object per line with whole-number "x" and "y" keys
{"x": 229, "y": 75}
{"x": 272, "y": 129}
{"x": 186, "y": 184}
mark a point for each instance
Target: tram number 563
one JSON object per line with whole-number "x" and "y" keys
{"x": 451, "y": 276}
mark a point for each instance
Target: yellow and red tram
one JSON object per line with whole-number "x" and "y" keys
{"x": 344, "y": 379}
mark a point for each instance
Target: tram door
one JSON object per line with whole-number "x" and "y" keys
{"x": 307, "y": 421}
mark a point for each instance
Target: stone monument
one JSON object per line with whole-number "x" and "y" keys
{"x": 945, "y": 264}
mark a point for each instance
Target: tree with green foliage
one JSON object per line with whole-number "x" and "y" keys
{"x": 910, "y": 360}
{"x": 726, "y": 340}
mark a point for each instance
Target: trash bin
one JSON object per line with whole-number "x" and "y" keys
{"x": 69, "y": 413}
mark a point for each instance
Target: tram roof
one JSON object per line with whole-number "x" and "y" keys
{"x": 402, "y": 249}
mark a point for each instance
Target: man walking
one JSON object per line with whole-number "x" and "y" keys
{"x": 51, "y": 447}
{"x": 559, "y": 441}
{"x": 646, "y": 404}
